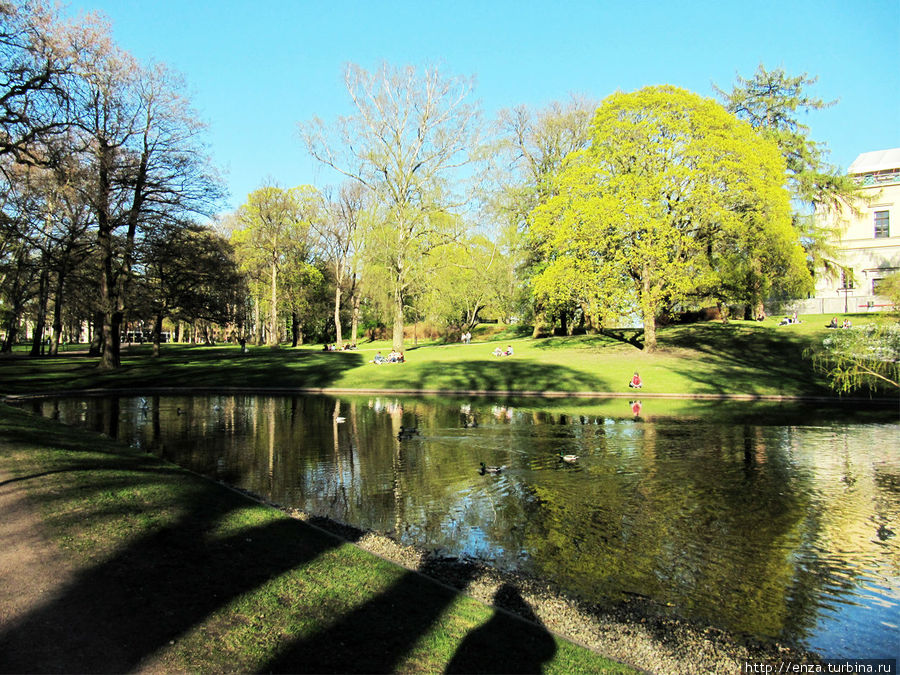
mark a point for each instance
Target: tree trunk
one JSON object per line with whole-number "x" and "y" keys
{"x": 257, "y": 326}
{"x": 157, "y": 333}
{"x": 648, "y": 309}
{"x": 760, "y": 312}
{"x": 295, "y": 329}
{"x": 564, "y": 323}
{"x": 354, "y": 321}
{"x": 337, "y": 316}
{"x": 97, "y": 335}
{"x": 12, "y": 330}
{"x": 273, "y": 311}
{"x": 539, "y": 322}
{"x": 397, "y": 337}
{"x": 18, "y": 303}
{"x": 109, "y": 338}
{"x": 37, "y": 339}
{"x": 57, "y": 313}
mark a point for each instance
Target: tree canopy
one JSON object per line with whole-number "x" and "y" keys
{"x": 671, "y": 194}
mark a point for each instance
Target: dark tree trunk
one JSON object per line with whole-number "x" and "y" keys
{"x": 97, "y": 335}
{"x": 157, "y": 333}
{"x": 295, "y": 329}
{"x": 37, "y": 339}
{"x": 57, "y": 313}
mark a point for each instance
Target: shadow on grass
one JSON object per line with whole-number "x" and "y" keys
{"x": 169, "y": 577}
{"x": 490, "y": 649}
{"x": 181, "y": 367}
{"x": 122, "y": 610}
{"x": 736, "y": 359}
{"x": 506, "y": 643}
{"x": 506, "y": 374}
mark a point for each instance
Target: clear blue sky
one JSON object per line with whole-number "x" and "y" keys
{"x": 257, "y": 68}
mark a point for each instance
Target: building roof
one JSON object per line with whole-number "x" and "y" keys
{"x": 878, "y": 160}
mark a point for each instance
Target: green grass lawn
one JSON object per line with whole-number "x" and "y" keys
{"x": 738, "y": 358}
{"x": 175, "y": 573}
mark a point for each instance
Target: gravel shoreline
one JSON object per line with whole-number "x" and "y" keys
{"x": 635, "y": 632}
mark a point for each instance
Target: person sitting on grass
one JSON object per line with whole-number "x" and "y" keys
{"x": 498, "y": 352}
{"x": 378, "y": 358}
{"x": 832, "y": 323}
{"x": 846, "y": 324}
{"x": 636, "y": 382}
{"x": 509, "y": 351}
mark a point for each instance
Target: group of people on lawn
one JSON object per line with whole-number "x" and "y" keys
{"x": 834, "y": 323}
{"x": 328, "y": 347}
{"x": 393, "y": 357}
{"x": 501, "y": 352}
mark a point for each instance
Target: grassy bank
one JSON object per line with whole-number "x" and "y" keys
{"x": 176, "y": 573}
{"x": 740, "y": 358}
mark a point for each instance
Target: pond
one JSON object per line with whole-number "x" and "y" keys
{"x": 768, "y": 520}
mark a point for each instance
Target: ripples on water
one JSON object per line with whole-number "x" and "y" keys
{"x": 752, "y": 518}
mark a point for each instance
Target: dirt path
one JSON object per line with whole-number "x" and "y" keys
{"x": 33, "y": 574}
{"x": 31, "y": 569}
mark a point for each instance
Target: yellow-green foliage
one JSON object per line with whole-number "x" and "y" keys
{"x": 675, "y": 197}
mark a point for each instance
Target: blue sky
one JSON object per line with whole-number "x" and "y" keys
{"x": 257, "y": 68}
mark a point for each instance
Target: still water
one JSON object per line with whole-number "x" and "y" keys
{"x": 761, "y": 519}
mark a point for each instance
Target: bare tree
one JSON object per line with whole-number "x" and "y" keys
{"x": 340, "y": 235}
{"x": 142, "y": 146}
{"x": 36, "y": 65}
{"x": 409, "y": 134}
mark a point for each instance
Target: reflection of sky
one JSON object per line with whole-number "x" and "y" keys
{"x": 867, "y": 628}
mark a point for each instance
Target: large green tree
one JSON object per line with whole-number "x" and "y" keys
{"x": 672, "y": 192}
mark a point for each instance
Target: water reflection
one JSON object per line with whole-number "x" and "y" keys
{"x": 783, "y": 530}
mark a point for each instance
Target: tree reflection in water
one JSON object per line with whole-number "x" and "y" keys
{"x": 764, "y": 520}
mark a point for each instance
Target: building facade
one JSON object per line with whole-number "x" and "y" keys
{"x": 867, "y": 243}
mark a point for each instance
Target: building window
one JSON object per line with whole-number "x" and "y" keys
{"x": 882, "y": 224}
{"x": 876, "y": 286}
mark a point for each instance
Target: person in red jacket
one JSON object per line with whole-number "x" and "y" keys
{"x": 636, "y": 382}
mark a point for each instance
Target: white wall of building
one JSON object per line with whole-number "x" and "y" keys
{"x": 867, "y": 242}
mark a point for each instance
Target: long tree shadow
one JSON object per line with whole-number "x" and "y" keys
{"x": 508, "y": 374}
{"x": 183, "y": 367}
{"x": 506, "y": 643}
{"x": 362, "y": 641}
{"x": 129, "y": 606}
{"x": 738, "y": 359}
{"x": 118, "y": 612}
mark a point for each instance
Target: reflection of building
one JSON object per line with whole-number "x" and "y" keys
{"x": 867, "y": 242}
